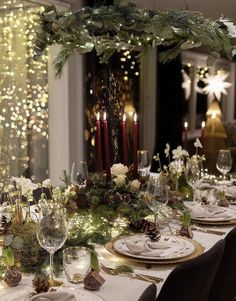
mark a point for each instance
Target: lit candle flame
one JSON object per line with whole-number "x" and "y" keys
{"x": 105, "y": 116}
{"x": 203, "y": 124}
{"x": 186, "y": 125}
{"x": 124, "y": 117}
{"x": 98, "y": 116}
{"x": 135, "y": 117}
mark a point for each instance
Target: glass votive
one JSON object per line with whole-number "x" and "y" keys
{"x": 76, "y": 263}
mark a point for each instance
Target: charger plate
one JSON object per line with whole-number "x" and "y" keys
{"x": 198, "y": 249}
{"x": 214, "y": 223}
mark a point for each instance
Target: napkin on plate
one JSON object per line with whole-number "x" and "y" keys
{"x": 143, "y": 246}
{"x": 54, "y": 296}
{"x": 208, "y": 211}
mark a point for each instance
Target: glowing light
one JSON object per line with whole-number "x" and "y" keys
{"x": 124, "y": 117}
{"x": 216, "y": 84}
{"x": 203, "y": 124}
{"x": 186, "y": 125}
{"x": 24, "y": 89}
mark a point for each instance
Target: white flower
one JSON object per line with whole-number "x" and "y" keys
{"x": 197, "y": 143}
{"x": 47, "y": 183}
{"x": 167, "y": 150}
{"x": 176, "y": 167}
{"x": 56, "y": 192}
{"x": 119, "y": 169}
{"x": 120, "y": 180}
{"x": 179, "y": 153}
{"x": 135, "y": 185}
{"x": 5, "y": 211}
{"x": 69, "y": 192}
{"x": 230, "y": 26}
{"x": 26, "y": 185}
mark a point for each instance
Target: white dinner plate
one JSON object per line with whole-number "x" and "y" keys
{"x": 24, "y": 295}
{"x": 167, "y": 248}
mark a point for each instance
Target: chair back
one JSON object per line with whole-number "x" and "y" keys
{"x": 224, "y": 285}
{"x": 149, "y": 294}
{"x": 192, "y": 280}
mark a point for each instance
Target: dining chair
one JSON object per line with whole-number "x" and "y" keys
{"x": 149, "y": 294}
{"x": 224, "y": 285}
{"x": 192, "y": 280}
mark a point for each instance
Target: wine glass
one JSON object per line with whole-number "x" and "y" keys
{"x": 143, "y": 163}
{"x": 157, "y": 195}
{"x": 193, "y": 174}
{"x": 224, "y": 162}
{"x": 52, "y": 233}
{"x": 79, "y": 173}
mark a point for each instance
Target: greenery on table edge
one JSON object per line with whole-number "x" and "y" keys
{"x": 124, "y": 26}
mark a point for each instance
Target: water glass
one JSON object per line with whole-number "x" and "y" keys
{"x": 144, "y": 164}
{"x": 224, "y": 161}
{"x": 193, "y": 174}
{"x": 79, "y": 173}
{"x": 76, "y": 263}
{"x": 157, "y": 195}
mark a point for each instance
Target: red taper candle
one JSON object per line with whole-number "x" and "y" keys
{"x": 135, "y": 147}
{"x": 107, "y": 147}
{"x": 124, "y": 141}
{"x": 99, "y": 144}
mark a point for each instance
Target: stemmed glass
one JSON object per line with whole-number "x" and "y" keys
{"x": 143, "y": 162}
{"x": 224, "y": 162}
{"x": 52, "y": 233}
{"x": 193, "y": 174}
{"x": 79, "y": 173}
{"x": 157, "y": 195}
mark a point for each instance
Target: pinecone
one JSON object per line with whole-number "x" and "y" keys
{"x": 148, "y": 228}
{"x": 12, "y": 276}
{"x": 205, "y": 201}
{"x": 41, "y": 283}
{"x": 223, "y": 203}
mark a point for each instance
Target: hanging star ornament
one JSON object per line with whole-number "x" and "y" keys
{"x": 186, "y": 85}
{"x": 216, "y": 84}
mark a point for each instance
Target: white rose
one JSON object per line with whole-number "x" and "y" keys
{"x": 135, "y": 185}
{"x": 120, "y": 180}
{"x": 119, "y": 169}
{"x": 47, "y": 183}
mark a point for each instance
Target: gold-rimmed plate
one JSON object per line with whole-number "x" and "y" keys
{"x": 198, "y": 249}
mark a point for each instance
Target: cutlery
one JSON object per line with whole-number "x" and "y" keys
{"x": 210, "y": 231}
{"x": 148, "y": 278}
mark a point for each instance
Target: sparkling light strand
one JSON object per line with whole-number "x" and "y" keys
{"x": 23, "y": 89}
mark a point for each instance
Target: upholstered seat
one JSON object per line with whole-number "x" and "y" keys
{"x": 192, "y": 280}
{"x": 224, "y": 285}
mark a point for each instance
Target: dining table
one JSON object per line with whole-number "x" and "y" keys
{"x": 119, "y": 287}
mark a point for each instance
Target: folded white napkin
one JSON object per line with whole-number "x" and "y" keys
{"x": 145, "y": 247}
{"x": 54, "y": 296}
{"x": 209, "y": 211}
{"x": 230, "y": 191}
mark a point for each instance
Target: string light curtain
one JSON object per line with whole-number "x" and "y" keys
{"x": 23, "y": 94}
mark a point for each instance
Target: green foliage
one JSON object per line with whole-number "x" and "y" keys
{"x": 121, "y": 26}
{"x": 186, "y": 218}
{"x": 8, "y": 257}
{"x": 94, "y": 260}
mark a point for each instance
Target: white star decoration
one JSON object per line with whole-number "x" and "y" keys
{"x": 216, "y": 84}
{"x": 186, "y": 85}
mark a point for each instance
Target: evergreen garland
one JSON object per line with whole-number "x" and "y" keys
{"x": 121, "y": 26}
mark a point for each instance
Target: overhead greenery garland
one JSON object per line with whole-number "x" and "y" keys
{"x": 121, "y": 26}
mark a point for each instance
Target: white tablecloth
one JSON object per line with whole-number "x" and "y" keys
{"x": 116, "y": 288}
